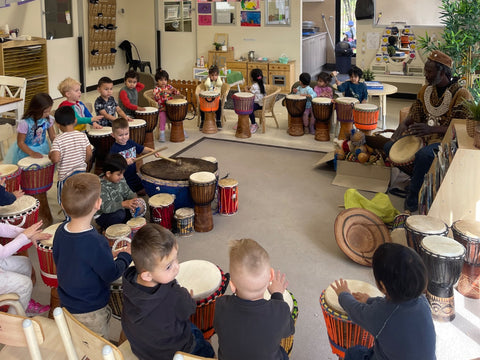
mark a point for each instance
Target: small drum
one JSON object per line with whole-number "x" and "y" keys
{"x": 419, "y": 226}
{"x": 402, "y": 153}
{"x": 141, "y": 208}
{"x": 322, "y": 111}
{"x": 184, "y": 221}
{"x": 342, "y": 332}
{"x": 23, "y": 213}
{"x": 162, "y": 209}
{"x": 243, "y": 103}
{"x": 102, "y": 140}
{"x": 344, "y": 109}
{"x": 207, "y": 282}
{"x": 209, "y": 101}
{"x": 135, "y": 225}
{"x": 227, "y": 196}
{"x": 117, "y": 232}
{"x": 203, "y": 185}
{"x": 150, "y": 115}
{"x": 296, "y": 107}
{"x": 287, "y": 343}
{"x": 48, "y": 270}
{"x": 137, "y": 130}
{"x": 37, "y": 174}
{"x": 176, "y": 110}
{"x": 11, "y": 174}
{"x": 443, "y": 258}
{"x": 365, "y": 116}
{"x": 215, "y": 200}
{"x": 467, "y": 233}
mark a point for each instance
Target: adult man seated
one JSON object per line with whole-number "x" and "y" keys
{"x": 429, "y": 117}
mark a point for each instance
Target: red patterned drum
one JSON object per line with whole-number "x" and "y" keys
{"x": 227, "y": 196}
{"x": 136, "y": 224}
{"x": 48, "y": 270}
{"x": 209, "y": 101}
{"x": 117, "y": 232}
{"x": 11, "y": 174}
{"x": 150, "y": 115}
{"x": 137, "y": 129}
{"x": 402, "y": 153}
{"x": 365, "y": 116}
{"x": 37, "y": 174}
{"x": 162, "y": 209}
{"x": 243, "y": 103}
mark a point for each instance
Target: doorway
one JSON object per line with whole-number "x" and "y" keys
{"x": 346, "y": 29}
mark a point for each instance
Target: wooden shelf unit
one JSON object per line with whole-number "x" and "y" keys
{"x": 219, "y": 58}
{"x": 27, "y": 59}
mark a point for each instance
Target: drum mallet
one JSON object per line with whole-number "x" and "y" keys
{"x": 150, "y": 153}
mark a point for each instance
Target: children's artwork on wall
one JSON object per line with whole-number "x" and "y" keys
{"x": 204, "y": 20}
{"x": 204, "y": 8}
{"x": 250, "y": 18}
{"x": 250, "y": 4}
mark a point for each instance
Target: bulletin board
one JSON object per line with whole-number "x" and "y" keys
{"x": 101, "y": 33}
{"x": 415, "y": 13}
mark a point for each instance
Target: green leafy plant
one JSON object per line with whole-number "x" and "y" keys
{"x": 460, "y": 37}
{"x": 474, "y": 107}
{"x": 217, "y": 45}
{"x": 368, "y": 75}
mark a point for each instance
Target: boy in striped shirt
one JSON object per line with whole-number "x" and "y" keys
{"x": 70, "y": 150}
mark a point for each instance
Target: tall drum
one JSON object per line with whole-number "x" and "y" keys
{"x": 150, "y": 115}
{"x": 176, "y": 110}
{"x": 243, "y": 106}
{"x": 137, "y": 129}
{"x": 102, "y": 140}
{"x": 203, "y": 185}
{"x": 296, "y": 107}
{"x": 419, "y": 226}
{"x": 443, "y": 258}
{"x": 402, "y": 153}
{"x": 322, "y": 110}
{"x": 365, "y": 117}
{"x": 209, "y": 103}
{"x": 344, "y": 109}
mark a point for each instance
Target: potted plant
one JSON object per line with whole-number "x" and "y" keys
{"x": 368, "y": 75}
{"x": 217, "y": 45}
{"x": 474, "y": 108}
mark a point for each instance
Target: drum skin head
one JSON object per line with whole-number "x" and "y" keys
{"x": 22, "y": 204}
{"x": 167, "y": 170}
{"x": 163, "y": 199}
{"x": 286, "y": 297}
{"x": 50, "y": 230}
{"x": 148, "y": 110}
{"x": 443, "y": 246}
{"x": 117, "y": 230}
{"x": 184, "y": 213}
{"x": 27, "y": 161}
{"x": 359, "y": 232}
{"x": 469, "y": 228}
{"x": 228, "y": 182}
{"x": 201, "y": 276}
{"x": 425, "y": 224}
{"x": 137, "y": 123}
{"x": 322, "y": 100}
{"x": 331, "y": 297}
{"x": 7, "y": 169}
{"x": 135, "y": 222}
{"x": 106, "y": 130}
{"x": 405, "y": 148}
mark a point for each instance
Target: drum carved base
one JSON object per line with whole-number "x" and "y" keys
{"x": 44, "y": 212}
{"x": 345, "y": 129}
{"x": 149, "y": 140}
{"x": 203, "y": 218}
{"x": 443, "y": 309}
{"x": 209, "y": 125}
{"x": 243, "y": 127}
{"x": 295, "y": 127}
{"x": 176, "y": 132}
{"x": 469, "y": 282}
{"x": 54, "y": 301}
{"x": 322, "y": 131}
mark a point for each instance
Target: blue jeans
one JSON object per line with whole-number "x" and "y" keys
{"x": 202, "y": 346}
{"x": 252, "y": 115}
{"x": 118, "y": 217}
{"x": 358, "y": 352}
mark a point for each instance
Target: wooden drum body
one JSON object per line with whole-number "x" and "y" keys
{"x": 419, "y": 226}
{"x": 342, "y": 332}
{"x": 207, "y": 281}
{"x": 365, "y": 117}
{"x": 209, "y": 103}
{"x": 296, "y": 107}
{"x": 443, "y": 258}
{"x": 137, "y": 129}
{"x": 402, "y": 153}
{"x": 176, "y": 110}
{"x": 150, "y": 115}
{"x": 162, "y": 209}
{"x": 467, "y": 233}
{"x": 102, "y": 140}
{"x": 227, "y": 196}
{"x": 11, "y": 173}
{"x": 203, "y": 185}
{"x": 48, "y": 270}
{"x": 344, "y": 109}
{"x": 37, "y": 174}
{"x": 322, "y": 111}
{"x": 243, "y": 106}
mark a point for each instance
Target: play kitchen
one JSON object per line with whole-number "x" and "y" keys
{"x": 314, "y": 48}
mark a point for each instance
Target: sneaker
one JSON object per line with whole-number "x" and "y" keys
{"x": 253, "y": 128}
{"x": 161, "y": 136}
{"x": 185, "y": 134}
{"x": 34, "y": 308}
{"x": 219, "y": 125}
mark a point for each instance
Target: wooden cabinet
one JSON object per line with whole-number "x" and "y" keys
{"x": 257, "y": 65}
{"x": 314, "y": 53}
{"x": 282, "y": 75}
{"x": 219, "y": 58}
{"x": 27, "y": 59}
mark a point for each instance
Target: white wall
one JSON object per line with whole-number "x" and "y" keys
{"x": 27, "y": 18}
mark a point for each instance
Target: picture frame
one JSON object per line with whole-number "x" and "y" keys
{"x": 221, "y": 38}
{"x": 224, "y": 13}
{"x": 277, "y": 12}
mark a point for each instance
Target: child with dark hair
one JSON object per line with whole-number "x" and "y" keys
{"x": 213, "y": 83}
{"x": 304, "y": 89}
{"x": 258, "y": 90}
{"x": 155, "y": 304}
{"x": 106, "y": 105}
{"x": 323, "y": 88}
{"x": 117, "y": 199}
{"x": 128, "y": 97}
{"x": 401, "y": 322}
{"x": 353, "y": 87}
{"x": 161, "y": 93}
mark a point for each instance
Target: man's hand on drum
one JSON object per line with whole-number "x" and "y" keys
{"x": 419, "y": 129}
{"x": 130, "y": 204}
{"x": 33, "y": 233}
{"x": 127, "y": 248}
{"x": 340, "y": 286}
{"x": 360, "y": 297}
{"x": 278, "y": 284}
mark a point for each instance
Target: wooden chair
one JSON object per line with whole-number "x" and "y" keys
{"x": 148, "y": 80}
{"x": 268, "y": 105}
{"x": 225, "y": 89}
{"x": 15, "y": 87}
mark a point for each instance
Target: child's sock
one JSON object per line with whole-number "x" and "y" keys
{"x": 161, "y": 136}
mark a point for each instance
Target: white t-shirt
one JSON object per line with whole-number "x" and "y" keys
{"x": 255, "y": 90}
{"x": 72, "y": 146}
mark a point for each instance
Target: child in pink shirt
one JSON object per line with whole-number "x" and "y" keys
{"x": 323, "y": 89}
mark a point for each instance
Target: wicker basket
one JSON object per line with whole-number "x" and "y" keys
{"x": 471, "y": 127}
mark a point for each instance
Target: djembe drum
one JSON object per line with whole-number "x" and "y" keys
{"x": 365, "y": 117}
{"x": 209, "y": 103}
{"x": 227, "y": 196}
{"x": 203, "y": 185}
{"x": 137, "y": 129}
{"x": 243, "y": 106}
{"x": 150, "y": 115}
{"x": 443, "y": 258}
{"x": 296, "y": 107}
{"x": 207, "y": 282}
{"x": 215, "y": 200}
{"x": 467, "y": 233}
{"x": 162, "y": 209}
{"x": 342, "y": 332}
{"x": 176, "y": 110}
{"x": 136, "y": 224}
{"x": 48, "y": 270}
{"x": 117, "y": 232}
{"x": 36, "y": 180}
{"x": 102, "y": 140}
{"x": 419, "y": 226}
{"x": 402, "y": 153}
{"x": 287, "y": 343}
{"x": 11, "y": 174}
{"x": 184, "y": 221}
{"x": 344, "y": 109}
{"x": 322, "y": 110}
